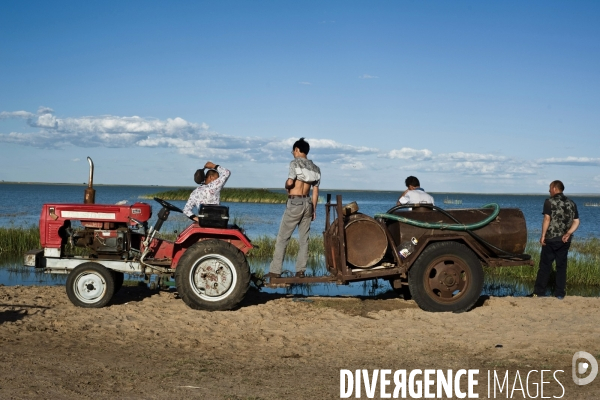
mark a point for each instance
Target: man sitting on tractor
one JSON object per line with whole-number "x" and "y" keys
{"x": 209, "y": 191}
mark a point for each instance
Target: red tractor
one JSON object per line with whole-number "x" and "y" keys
{"x": 207, "y": 260}
{"x": 442, "y": 269}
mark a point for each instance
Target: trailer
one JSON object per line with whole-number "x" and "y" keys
{"x": 444, "y": 271}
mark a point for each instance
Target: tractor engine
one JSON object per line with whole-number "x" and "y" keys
{"x": 106, "y": 231}
{"x": 105, "y": 242}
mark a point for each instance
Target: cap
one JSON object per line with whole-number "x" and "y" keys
{"x": 199, "y": 176}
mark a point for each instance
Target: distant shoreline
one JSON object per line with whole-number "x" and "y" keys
{"x": 321, "y": 190}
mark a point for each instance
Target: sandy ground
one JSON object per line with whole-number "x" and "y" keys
{"x": 151, "y": 345}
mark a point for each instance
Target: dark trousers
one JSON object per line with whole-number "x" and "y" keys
{"x": 553, "y": 250}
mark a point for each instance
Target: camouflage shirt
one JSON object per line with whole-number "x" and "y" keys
{"x": 305, "y": 170}
{"x": 562, "y": 212}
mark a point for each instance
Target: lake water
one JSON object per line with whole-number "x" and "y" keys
{"x": 20, "y": 205}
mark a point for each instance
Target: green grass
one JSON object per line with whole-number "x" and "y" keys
{"x": 17, "y": 241}
{"x": 265, "y": 246}
{"x": 584, "y": 256}
{"x": 227, "y": 195}
{"x": 583, "y": 269}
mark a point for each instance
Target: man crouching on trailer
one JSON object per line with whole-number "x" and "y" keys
{"x": 209, "y": 191}
{"x": 300, "y": 209}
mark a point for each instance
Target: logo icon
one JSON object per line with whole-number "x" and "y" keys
{"x": 583, "y": 367}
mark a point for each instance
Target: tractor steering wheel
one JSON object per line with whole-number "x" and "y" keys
{"x": 167, "y": 205}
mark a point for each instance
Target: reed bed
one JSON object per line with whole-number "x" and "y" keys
{"x": 265, "y": 246}
{"x": 584, "y": 259}
{"x": 583, "y": 269}
{"x": 227, "y": 195}
{"x": 584, "y": 256}
{"x": 15, "y": 241}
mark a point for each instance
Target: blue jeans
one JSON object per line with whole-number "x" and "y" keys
{"x": 298, "y": 213}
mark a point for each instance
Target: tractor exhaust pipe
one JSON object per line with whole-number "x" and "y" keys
{"x": 90, "y": 193}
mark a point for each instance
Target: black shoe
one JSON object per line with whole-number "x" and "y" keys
{"x": 300, "y": 274}
{"x": 272, "y": 275}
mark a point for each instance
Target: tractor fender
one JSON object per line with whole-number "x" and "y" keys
{"x": 194, "y": 233}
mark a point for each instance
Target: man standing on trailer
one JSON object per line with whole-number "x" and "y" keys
{"x": 414, "y": 194}
{"x": 209, "y": 191}
{"x": 561, "y": 219}
{"x": 300, "y": 209}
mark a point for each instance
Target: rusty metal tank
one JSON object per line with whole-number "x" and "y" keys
{"x": 508, "y": 231}
{"x": 366, "y": 240}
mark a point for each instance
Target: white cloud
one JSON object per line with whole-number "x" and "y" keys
{"x": 44, "y": 129}
{"x": 45, "y": 121}
{"x": 25, "y": 114}
{"x": 93, "y": 131}
{"x": 406, "y": 153}
{"x": 460, "y": 156}
{"x": 506, "y": 169}
{"x": 367, "y": 76}
{"x": 191, "y": 139}
{"x": 45, "y": 110}
{"x": 75, "y": 159}
{"x": 15, "y": 114}
{"x": 576, "y": 161}
{"x": 325, "y": 145}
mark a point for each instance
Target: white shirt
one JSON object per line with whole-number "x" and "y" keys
{"x": 417, "y": 196}
{"x": 207, "y": 194}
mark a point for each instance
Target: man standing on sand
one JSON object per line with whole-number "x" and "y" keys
{"x": 300, "y": 209}
{"x": 209, "y": 191}
{"x": 561, "y": 219}
{"x": 414, "y": 194}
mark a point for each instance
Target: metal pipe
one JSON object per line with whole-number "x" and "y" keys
{"x": 89, "y": 196}
{"x": 90, "y": 182}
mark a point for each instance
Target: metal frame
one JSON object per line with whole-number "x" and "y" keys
{"x": 57, "y": 265}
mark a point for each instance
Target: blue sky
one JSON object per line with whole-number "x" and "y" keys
{"x": 469, "y": 96}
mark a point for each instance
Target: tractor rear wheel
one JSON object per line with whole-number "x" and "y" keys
{"x": 447, "y": 276}
{"x": 212, "y": 275}
{"x": 90, "y": 285}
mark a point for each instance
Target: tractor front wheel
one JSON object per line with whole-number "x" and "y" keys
{"x": 90, "y": 285}
{"x": 447, "y": 276}
{"x": 212, "y": 275}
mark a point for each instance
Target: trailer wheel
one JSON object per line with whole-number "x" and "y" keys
{"x": 212, "y": 275}
{"x": 90, "y": 285}
{"x": 447, "y": 276}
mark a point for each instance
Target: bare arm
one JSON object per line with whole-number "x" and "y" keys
{"x": 289, "y": 183}
{"x": 315, "y": 200}
{"x": 571, "y": 230}
{"x": 545, "y": 225}
{"x": 399, "y": 202}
